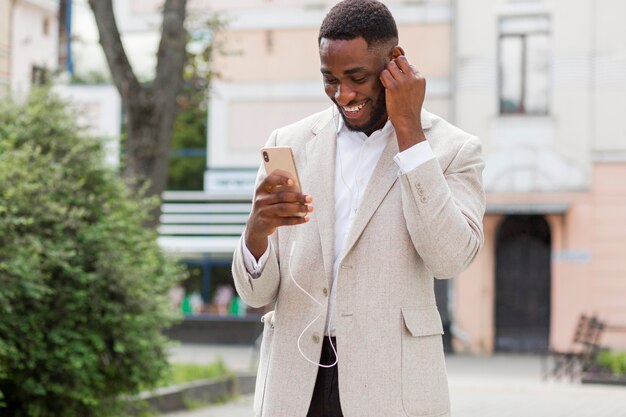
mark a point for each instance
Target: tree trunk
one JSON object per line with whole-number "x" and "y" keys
{"x": 150, "y": 109}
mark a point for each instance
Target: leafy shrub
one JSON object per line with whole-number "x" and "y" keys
{"x": 83, "y": 285}
{"x": 187, "y": 171}
{"x": 180, "y": 373}
{"x": 614, "y": 361}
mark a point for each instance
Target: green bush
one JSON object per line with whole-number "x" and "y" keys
{"x": 83, "y": 286}
{"x": 187, "y": 172}
{"x": 180, "y": 373}
{"x": 614, "y": 361}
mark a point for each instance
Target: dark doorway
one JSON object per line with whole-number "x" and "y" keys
{"x": 523, "y": 285}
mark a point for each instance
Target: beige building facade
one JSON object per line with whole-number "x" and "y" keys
{"x": 29, "y": 32}
{"x": 5, "y": 43}
{"x": 542, "y": 84}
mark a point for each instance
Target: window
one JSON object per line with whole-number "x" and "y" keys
{"x": 524, "y": 65}
{"x": 39, "y": 75}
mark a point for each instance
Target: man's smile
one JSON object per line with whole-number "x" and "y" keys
{"x": 354, "y": 111}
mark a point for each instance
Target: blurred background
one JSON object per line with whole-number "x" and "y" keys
{"x": 541, "y": 82}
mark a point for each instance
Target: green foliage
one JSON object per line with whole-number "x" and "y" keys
{"x": 180, "y": 373}
{"x": 190, "y": 127}
{"x": 615, "y": 361}
{"x": 83, "y": 286}
{"x": 187, "y": 172}
{"x": 92, "y": 77}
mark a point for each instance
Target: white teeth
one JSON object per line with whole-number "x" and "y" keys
{"x": 354, "y": 109}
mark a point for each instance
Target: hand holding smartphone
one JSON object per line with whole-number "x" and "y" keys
{"x": 277, "y": 202}
{"x": 280, "y": 158}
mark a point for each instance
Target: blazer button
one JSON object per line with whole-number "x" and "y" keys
{"x": 316, "y": 339}
{"x": 325, "y": 291}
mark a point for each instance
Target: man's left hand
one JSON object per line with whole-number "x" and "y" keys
{"x": 405, "y": 88}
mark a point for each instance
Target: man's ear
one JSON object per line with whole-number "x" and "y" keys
{"x": 395, "y": 52}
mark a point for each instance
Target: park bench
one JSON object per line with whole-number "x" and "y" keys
{"x": 581, "y": 356}
{"x": 196, "y": 224}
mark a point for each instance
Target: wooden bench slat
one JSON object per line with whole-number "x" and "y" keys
{"x": 207, "y": 230}
{"x": 206, "y": 208}
{"x": 212, "y": 218}
{"x": 197, "y": 223}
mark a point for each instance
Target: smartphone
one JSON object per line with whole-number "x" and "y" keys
{"x": 281, "y": 158}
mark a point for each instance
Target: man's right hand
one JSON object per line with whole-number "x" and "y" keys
{"x": 277, "y": 203}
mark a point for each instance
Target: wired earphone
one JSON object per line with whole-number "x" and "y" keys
{"x": 293, "y": 248}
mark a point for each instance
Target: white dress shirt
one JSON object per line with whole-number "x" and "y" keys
{"x": 356, "y": 157}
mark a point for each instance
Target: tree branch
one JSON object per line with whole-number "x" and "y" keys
{"x": 171, "y": 54}
{"x": 121, "y": 71}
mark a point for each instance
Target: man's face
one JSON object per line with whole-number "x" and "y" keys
{"x": 351, "y": 73}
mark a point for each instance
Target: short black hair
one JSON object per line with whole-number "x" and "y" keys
{"x": 350, "y": 19}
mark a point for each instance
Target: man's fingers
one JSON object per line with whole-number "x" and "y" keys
{"x": 281, "y": 215}
{"x": 284, "y": 197}
{"x": 276, "y": 181}
{"x": 394, "y": 70}
{"x": 403, "y": 65}
{"x": 386, "y": 79}
{"x": 269, "y": 210}
{"x": 289, "y": 209}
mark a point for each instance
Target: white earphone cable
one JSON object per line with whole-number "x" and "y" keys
{"x": 293, "y": 247}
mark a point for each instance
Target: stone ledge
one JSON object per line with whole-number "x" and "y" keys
{"x": 604, "y": 379}
{"x": 174, "y": 398}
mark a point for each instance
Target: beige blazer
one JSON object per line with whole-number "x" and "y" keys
{"x": 409, "y": 228}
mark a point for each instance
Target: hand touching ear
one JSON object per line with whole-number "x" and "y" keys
{"x": 405, "y": 88}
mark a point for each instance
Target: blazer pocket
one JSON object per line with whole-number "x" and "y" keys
{"x": 424, "y": 381}
{"x": 264, "y": 361}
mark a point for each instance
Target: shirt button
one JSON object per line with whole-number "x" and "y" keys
{"x": 316, "y": 339}
{"x": 325, "y": 291}
{"x": 423, "y": 199}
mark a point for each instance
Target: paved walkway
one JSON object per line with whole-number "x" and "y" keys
{"x": 502, "y": 386}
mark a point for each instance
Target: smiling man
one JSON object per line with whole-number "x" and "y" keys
{"x": 392, "y": 198}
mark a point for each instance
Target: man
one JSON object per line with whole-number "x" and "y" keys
{"x": 392, "y": 198}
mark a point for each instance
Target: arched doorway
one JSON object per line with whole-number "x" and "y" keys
{"x": 523, "y": 284}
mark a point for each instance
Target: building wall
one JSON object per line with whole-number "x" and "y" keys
{"x": 609, "y": 67}
{"x": 5, "y": 43}
{"x": 34, "y": 40}
{"x": 575, "y": 155}
{"x": 99, "y": 113}
{"x": 588, "y": 265}
{"x": 587, "y": 60}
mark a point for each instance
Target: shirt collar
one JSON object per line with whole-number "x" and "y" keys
{"x": 342, "y": 129}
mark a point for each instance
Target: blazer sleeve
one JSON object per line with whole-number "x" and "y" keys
{"x": 444, "y": 210}
{"x": 263, "y": 290}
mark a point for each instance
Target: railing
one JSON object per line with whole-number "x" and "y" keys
{"x": 197, "y": 224}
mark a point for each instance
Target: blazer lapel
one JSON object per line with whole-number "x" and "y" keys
{"x": 320, "y": 154}
{"x": 384, "y": 176}
{"x": 319, "y": 182}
